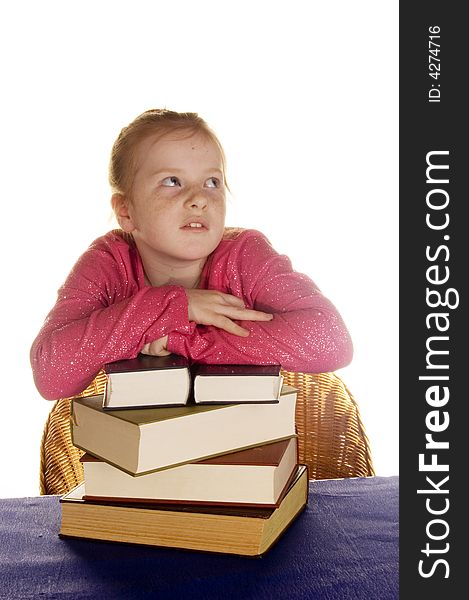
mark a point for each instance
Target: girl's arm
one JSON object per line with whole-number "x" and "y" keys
{"x": 306, "y": 334}
{"x": 101, "y": 316}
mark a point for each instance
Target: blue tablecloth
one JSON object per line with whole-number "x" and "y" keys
{"x": 343, "y": 546}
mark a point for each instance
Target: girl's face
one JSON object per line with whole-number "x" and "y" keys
{"x": 177, "y": 213}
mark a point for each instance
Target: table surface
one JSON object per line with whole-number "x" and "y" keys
{"x": 343, "y": 546}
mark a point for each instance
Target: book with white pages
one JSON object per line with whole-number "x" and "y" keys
{"x": 220, "y": 384}
{"x": 255, "y": 476}
{"x": 149, "y": 439}
{"x": 147, "y": 381}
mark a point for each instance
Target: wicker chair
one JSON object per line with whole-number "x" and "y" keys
{"x": 332, "y": 439}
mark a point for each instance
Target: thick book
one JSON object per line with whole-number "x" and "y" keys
{"x": 236, "y": 383}
{"x": 255, "y": 476}
{"x": 147, "y": 381}
{"x": 247, "y": 531}
{"x": 149, "y": 439}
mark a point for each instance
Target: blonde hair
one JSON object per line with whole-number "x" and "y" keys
{"x": 156, "y": 122}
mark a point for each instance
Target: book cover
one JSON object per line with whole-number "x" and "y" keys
{"x": 237, "y": 370}
{"x": 145, "y": 362}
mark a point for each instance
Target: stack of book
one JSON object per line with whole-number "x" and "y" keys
{"x": 201, "y": 458}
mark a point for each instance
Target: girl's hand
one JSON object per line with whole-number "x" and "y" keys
{"x": 157, "y": 347}
{"x": 209, "y": 307}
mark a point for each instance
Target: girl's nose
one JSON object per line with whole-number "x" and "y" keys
{"x": 197, "y": 199}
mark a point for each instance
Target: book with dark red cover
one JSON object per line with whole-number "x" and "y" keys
{"x": 221, "y": 384}
{"x": 147, "y": 381}
{"x": 257, "y": 476}
{"x": 237, "y": 370}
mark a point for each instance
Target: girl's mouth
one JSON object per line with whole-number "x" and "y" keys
{"x": 196, "y": 226}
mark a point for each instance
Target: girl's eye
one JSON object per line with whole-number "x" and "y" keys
{"x": 171, "y": 181}
{"x": 213, "y": 182}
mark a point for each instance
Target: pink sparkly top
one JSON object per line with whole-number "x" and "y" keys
{"x": 105, "y": 312}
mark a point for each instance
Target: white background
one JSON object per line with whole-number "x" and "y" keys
{"x": 303, "y": 95}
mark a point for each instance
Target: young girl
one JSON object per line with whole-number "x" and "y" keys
{"x": 173, "y": 279}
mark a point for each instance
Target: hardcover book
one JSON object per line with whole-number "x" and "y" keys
{"x": 236, "y": 383}
{"x": 256, "y": 476}
{"x": 147, "y": 381}
{"x": 148, "y": 439}
{"x": 245, "y": 531}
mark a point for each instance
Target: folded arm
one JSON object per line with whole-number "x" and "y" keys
{"x": 306, "y": 333}
{"x": 93, "y": 322}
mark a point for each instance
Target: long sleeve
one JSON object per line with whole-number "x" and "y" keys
{"x": 306, "y": 334}
{"x": 101, "y": 315}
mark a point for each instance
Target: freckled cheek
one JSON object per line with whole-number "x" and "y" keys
{"x": 219, "y": 203}
{"x": 161, "y": 210}
{"x": 222, "y": 211}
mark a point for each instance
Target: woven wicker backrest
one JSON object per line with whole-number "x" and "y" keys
{"x": 332, "y": 440}
{"x": 60, "y": 468}
{"x": 331, "y": 436}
